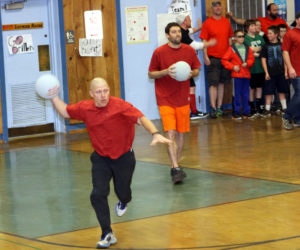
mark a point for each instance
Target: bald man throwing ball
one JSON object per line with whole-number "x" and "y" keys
{"x": 110, "y": 122}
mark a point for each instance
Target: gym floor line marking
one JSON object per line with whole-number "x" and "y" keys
{"x": 227, "y": 247}
{"x": 20, "y": 244}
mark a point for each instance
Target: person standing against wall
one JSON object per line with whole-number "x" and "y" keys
{"x": 172, "y": 96}
{"x": 291, "y": 52}
{"x": 216, "y": 27}
{"x": 184, "y": 20}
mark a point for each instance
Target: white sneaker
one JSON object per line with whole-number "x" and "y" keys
{"x": 106, "y": 241}
{"x": 120, "y": 208}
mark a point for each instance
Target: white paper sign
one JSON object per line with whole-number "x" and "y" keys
{"x": 90, "y": 47}
{"x": 178, "y": 6}
{"x": 93, "y": 24}
{"x": 137, "y": 27}
{"x": 20, "y": 44}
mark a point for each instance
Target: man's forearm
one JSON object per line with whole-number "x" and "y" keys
{"x": 148, "y": 125}
{"x": 287, "y": 59}
{"x": 157, "y": 74}
{"x": 60, "y": 106}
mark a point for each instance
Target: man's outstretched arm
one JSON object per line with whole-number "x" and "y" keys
{"x": 60, "y": 106}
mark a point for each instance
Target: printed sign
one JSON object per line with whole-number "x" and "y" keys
{"x": 90, "y": 47}
{"x": 93, "y": 24}
{"x": 22, "y": 26}
{"x": 70, "y": 37}
{"x": 20, "y": 44}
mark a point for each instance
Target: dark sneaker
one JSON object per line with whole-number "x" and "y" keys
{"x": 194, "y": 116}
{"x": 287, "y": 124}
{"x": 213, "y": 113}
{"x": 266, "y": 114}
{"x": 106, "y": 241}
{"x": 253, "y": 116}
{"x": 236, "y": 117}
{"x": 202, "y": 115}
{"x": 220, "y": 112}
{"x": 177, "y": 175}
{"x": 120, "y": 208}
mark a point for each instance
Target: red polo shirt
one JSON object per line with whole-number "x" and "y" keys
{"x": 111, "y": 128}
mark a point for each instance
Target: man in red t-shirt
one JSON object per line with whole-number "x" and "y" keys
{"x": 271, "y": 18}
{"x": 110, "y": 122}
{"x": 291, "y": 52}
{"x": 172, "y": 96}
{"x": 219, "y": 28}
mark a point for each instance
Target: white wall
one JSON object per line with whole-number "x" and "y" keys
{"x": 139, "y": 89}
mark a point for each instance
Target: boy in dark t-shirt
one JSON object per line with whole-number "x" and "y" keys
{"x": 273, "y": 65}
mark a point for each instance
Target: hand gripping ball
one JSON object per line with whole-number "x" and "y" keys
{"x": 182, "y": 70}
{"x": 47, "y": 86}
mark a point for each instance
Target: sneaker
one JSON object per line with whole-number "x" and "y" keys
{"x": 278, "y": 111}
{"x": 236, "y": 117}
{"x": 213, "y": 113}
{"x": 201, "y": 115}
{"x": 287, "y": 124}
{"x": 220, "y": 112}
{"x": 120, "y": 208}
{"x": 106, "y": 241}
{"x": 177, "y": 175}
{"x": 297, "y": 124}
{"x": 266, "y": 114}
{"x": 253, "y": 116}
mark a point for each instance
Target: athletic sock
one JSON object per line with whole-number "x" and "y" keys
{"x": 283, "y": 104}
{"x": 268, "y": 107}
{"x": 193, "y": 103}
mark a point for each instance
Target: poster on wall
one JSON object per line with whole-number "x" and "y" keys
{"x": 20, "y": 44}
{"x": 282, "y": 8}
{"x": 137, "y": 27}
{"x": 93, "y": 24}
{"x": 178, "y": 6}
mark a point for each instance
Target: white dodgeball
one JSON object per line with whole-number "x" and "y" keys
{"x": 182, "y": 71}
{"x": 47, "y": 86}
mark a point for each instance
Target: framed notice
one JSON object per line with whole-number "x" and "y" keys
{"x": 137, "y": 27}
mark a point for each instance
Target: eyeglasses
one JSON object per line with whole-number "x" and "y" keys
{"x": 240, "y": 36}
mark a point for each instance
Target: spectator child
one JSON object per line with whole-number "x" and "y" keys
{"x": 239, "y": 59}
{"x": 274, "y": 68}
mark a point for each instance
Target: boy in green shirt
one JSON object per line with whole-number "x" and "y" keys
{"x": 255, "y": 42}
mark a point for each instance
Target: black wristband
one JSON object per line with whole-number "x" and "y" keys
{"x": 157, "y": 132}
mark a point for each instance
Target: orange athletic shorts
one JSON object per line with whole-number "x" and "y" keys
{"x": 175, "y": 118}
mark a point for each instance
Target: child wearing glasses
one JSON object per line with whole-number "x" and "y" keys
{"x": 239, "y": 59}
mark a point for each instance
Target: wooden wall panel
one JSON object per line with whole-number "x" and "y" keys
{"x": 82, "y": 69}
{"x": 228, "y": 87}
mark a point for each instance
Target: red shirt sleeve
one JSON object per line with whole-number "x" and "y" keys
{"x": 76, "y": 111}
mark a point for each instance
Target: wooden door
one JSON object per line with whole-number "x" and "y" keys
{"x": 82, "y": 69}
{"x": 228, "y": 87}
